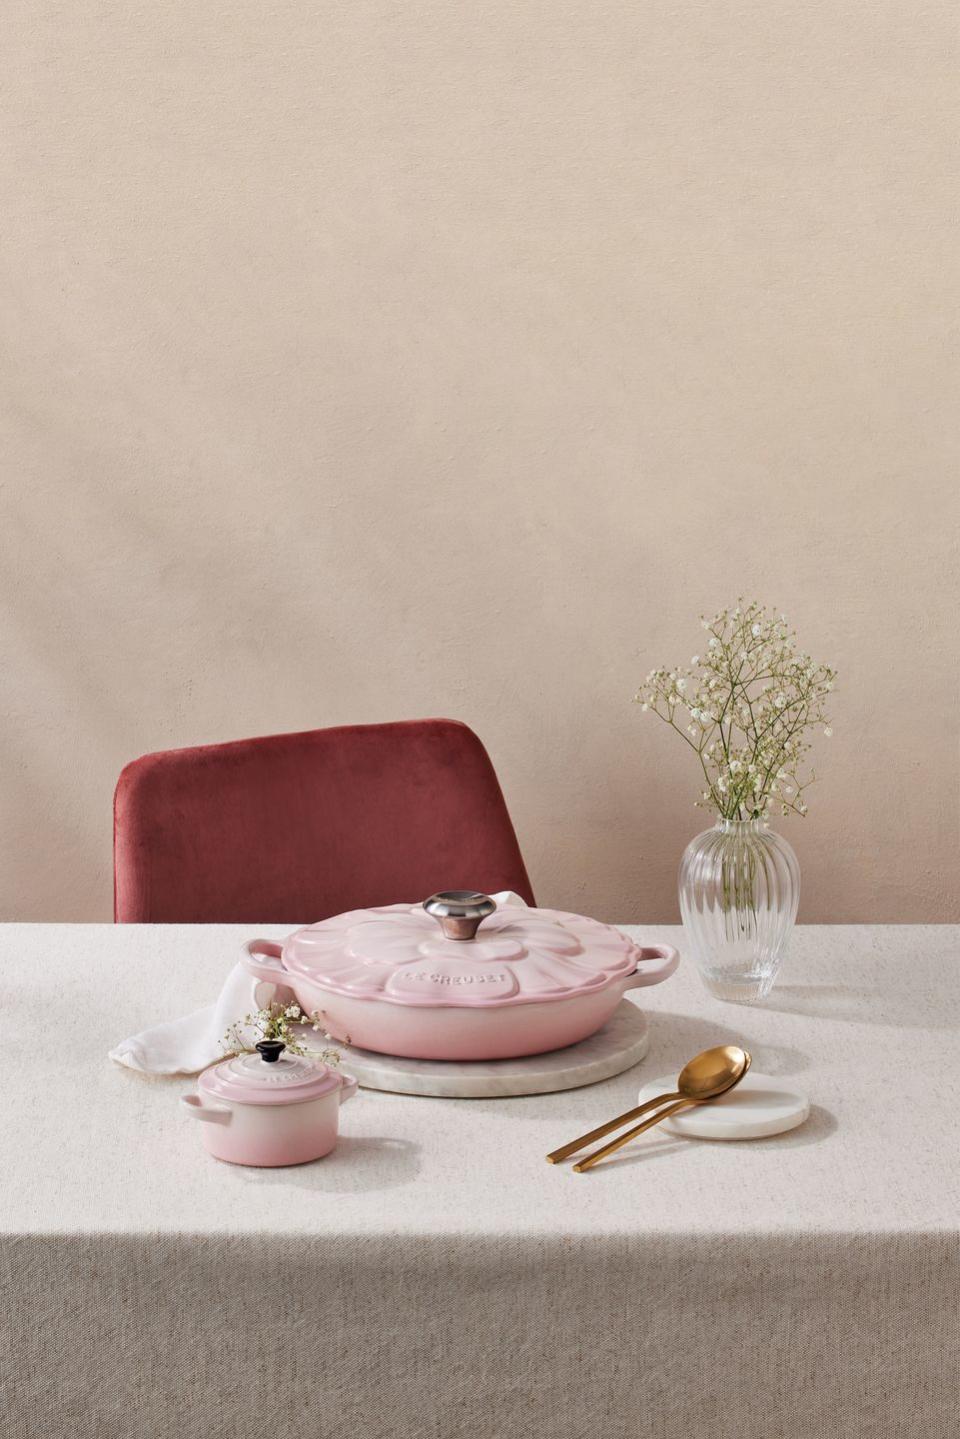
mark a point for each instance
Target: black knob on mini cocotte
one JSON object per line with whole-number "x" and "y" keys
{"x": 270, "y": 1050}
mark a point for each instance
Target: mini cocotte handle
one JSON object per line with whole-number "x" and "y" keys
{"x": 209, "y": 1113}
{"x": 650, "y": 972}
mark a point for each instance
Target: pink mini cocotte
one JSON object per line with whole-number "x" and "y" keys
{"x": 271, "y": 1108}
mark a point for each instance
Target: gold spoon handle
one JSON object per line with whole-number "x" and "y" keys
{"x": 602, "y": 1130}
{"x": 622, "y": 1139}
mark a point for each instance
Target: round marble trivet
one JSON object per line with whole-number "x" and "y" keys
{"x": 621, "y": 1042}
{"x": 759, "y": 1106}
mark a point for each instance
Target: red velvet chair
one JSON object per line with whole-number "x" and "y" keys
{"x": 296, "y": 827}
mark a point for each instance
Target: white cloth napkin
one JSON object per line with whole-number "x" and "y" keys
{"x": 187, "y": 1045}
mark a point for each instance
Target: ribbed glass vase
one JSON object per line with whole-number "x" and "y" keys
{"x": 739, "y": 891}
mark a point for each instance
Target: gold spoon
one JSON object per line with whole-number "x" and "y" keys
{"x": 711, "y": 1074}
{"x": 706, "y": 1077}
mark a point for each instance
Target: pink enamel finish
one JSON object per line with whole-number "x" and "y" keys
{"x": 532, "y": 980}
{"x": 246, "y": 1079}
{"x": 290, "y": 1118}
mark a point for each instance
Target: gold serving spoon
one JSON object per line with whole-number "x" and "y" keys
{"x": 706, "y": 1077}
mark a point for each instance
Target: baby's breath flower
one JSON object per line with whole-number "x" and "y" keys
{"x": 752, "y": 700}
{"x": 274, "y": 1022}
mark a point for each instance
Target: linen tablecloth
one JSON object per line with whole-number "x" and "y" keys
{"x": 434, "y": 1278}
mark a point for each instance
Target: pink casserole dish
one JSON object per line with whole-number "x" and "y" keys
{"x": 457, "y": 978}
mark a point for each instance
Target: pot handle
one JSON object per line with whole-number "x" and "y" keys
{"x": 645, "y": 973}
{"x": 263, "y": 958}
{"x": 348, "y": 1087}
{"x": 210, "y": 1113}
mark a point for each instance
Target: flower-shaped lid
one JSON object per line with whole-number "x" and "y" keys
{"x": 268, "y": 1077}
{"x": 477, "y": 955}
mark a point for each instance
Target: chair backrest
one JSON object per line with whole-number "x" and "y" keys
{"x": 297, "y": 827}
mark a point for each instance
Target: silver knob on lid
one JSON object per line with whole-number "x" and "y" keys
{"x": 460, "y": 911}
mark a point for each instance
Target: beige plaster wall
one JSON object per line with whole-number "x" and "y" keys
{"x": 364, "y": 360}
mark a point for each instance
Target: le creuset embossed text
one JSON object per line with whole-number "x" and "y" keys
{"x": 458, "y": 978}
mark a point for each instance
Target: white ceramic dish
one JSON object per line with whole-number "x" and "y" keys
{"x": 758, "y": 1107}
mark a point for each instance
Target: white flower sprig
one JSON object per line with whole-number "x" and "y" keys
{"x": 275, "y": 1022}
{"x": 746, "y": 707}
